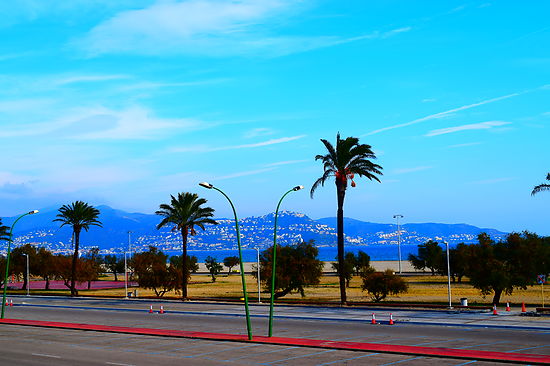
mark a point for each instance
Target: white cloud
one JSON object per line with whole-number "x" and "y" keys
{"x": 105, "y": 123}
{"x": 444, "y": 114}
{"x": 204, "y": 148}
{"x": 243, "y": 174}
{"x": 464, "y": 145}
{"x": 411, "y": 170}
{"x": 288, "y": 162}
{"x": 255, "y": 132}
{"x": 208, "y": 27}
{"x": 473, "y": 126}
{"x": 88, "y": 79}
{"x": 493, "y": 181}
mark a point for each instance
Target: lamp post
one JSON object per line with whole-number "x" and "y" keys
{"x": 448, "y": 275}
{"x": 28, "y": 281}
{"x": 8, "y": 259}
{"x": 273, "y": 265}
{"x": 126, "y": 266}
{"x": 258, "y": 271}
{"x": 398, "y": 239}
{"x": 245, "y": 295}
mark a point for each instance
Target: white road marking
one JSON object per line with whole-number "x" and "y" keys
{"x": 118, "y": 364}
{"x": 44, "y": 355}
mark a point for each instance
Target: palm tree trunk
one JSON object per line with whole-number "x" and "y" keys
{"x": 184, "y": 264}
{"x": 341, "y": 193}
{"x": 74, "y": 292}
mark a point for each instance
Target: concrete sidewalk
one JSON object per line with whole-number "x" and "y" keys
{"x": 510, "y": 357}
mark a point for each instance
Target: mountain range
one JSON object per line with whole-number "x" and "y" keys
{"x": 256, "y": 231}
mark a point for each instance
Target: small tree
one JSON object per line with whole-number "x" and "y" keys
{"x": 114, "y": 264}
{"x": 192, "y": 264}
{"x": 349, "y": 267}
{"x": 381, "y": 284}
{"x": 153, "y": 272}
{"x": 297, "y": 267}
{"x": 362, "y": 262}
{"x": 45, "y": 266}
{"x": 213, "y": 267}
{"x": 430, "y": 255}
{"x": 91, "y": 266}
{"x": 230, "y": 262}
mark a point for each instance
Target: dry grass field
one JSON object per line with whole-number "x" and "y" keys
{"x": 422, "y": 289}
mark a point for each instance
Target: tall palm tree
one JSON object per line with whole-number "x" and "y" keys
{"x": 4, "y": 232}
{"x": 79, "y": 215}
{"x": 541, "y": 187}
{"x": 185, "y": 212}
{"x": 343, "y": 161}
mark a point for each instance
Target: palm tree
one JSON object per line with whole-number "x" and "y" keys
{"x": 79, "y": 215}
{"x": 4, "y": 232}
{"x": 541, "y": 187}
{"x": 348, "y": 158}
{"x": 184, "y": 213}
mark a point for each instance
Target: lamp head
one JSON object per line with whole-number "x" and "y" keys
{"x": 206, "y": 185}
{"x": 33, "y": 212}
{"x": 297, "y": 188}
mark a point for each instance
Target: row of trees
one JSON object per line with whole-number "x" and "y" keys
{"x": 492, "y": 267}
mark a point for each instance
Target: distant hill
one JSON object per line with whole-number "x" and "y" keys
{"x": 256, "y": 231}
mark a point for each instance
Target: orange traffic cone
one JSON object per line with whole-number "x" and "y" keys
{"x": 11, "y": 302}
{"x": 495, "y": 310}
{"x": 391, "y": 319}
{"x": 523, "y": 309}
{"x": 151, "y": 309}
{"x": 161, "y": 310}
{"x": 507, "y": 306}
{"x": 373, "y": 321}
{"x": 7, "y": 302}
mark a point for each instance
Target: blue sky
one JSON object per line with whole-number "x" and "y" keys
{"x": 126, "y": 102}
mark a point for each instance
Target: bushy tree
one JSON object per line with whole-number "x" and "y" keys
{"x": 230, "y": 262}
{"x": 362, "y": 262}
{"x": 154, "y": 273}
{"x": 381, "y": 284}
{"x": 114, "y": 264}
{"x": 18, "y": 263}
{"x": 213, "y": 267}
{"x": 348, "y": 268}
{"x": 500, "y": 267}
{"x": 45, "y": 266}
{"x": 430, "y": 255}
{"x": 192, "y": 264}
{"x": 297, "y": 267}
{"x": 91, "y": 266}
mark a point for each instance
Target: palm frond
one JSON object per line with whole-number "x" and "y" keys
{"x": 541, "y": 187}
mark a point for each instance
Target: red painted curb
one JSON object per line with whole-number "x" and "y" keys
{"x": 348, "y": 346}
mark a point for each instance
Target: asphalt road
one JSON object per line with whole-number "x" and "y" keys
{"x": 41, "y": 346}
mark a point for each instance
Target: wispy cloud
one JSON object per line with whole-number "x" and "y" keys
{"x": 211, "y": 28}
{"x": 243, "y": 174}
{"x": 235, "y": 147}
{"x": 493, "y": 181}
{"x": 472, "y": 126}
{"x": 288, "y": 162}
{"x": 104, "y": 123}
{"x": 444, "y": 113}
{"x": 464, "y": 145}
{"x": 255, "y": 132}
{"x": 411, "y": 170}
{"x": 88, "y": 79}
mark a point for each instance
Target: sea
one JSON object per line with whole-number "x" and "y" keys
{"x": 386, "y": 252}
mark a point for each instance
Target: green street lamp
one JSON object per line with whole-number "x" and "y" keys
{"x": 297, "y": 188}
{"x": 245, "y": 295}
{"x": 8, "y": 259}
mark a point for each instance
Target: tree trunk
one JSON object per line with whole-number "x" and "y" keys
{"x": 282, "y": 293}
{"x": 24, "y": 281}
{"x": 341, "y": 193}
{"x": 74, "y": 292}
{"x": 116, "y": 278}
{"x": 184, "y": 264}
{"x": 496, "y": 297}
{"x": 47, "y": 279}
